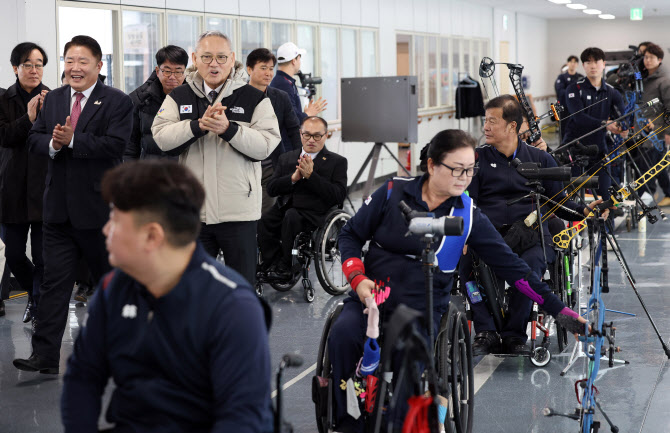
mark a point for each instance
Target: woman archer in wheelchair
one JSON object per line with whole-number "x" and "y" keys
{"x": 394, "y": 259}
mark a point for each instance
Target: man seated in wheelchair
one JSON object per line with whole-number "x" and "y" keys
{"x": 395, "y": 260}
{"x": 493, "y": 187}
{"x": 309, "y": 182}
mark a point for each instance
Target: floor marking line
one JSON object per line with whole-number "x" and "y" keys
{"x": 484, "y": 370}
{"x": 295, "y": 379}
{"x": 20, "y": 295}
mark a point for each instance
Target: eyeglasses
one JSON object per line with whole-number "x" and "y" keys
{"x": 30, "y": 66}
{"x": 458, "y": 172}
{"x": 220, "y": 59}
{"x": 316, "y": 137}
{"x": 177, "y": 74}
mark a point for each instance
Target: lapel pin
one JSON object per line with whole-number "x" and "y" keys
{"x": 324, "y": 158}
{"x": 97, "y": 102}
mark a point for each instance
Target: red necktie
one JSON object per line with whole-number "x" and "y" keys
{"x": 76, "y": 110}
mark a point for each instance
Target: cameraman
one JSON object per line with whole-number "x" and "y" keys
{"x": 289, "y": 58}
{"x": 585, "y": 93}
{"x": 656, "y": 83}
{"x": 496, "y": 183}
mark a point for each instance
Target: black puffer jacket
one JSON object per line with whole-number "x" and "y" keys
{"x": 147, "y": 100}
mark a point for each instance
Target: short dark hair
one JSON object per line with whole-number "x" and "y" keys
{"x": 443, "y": 143}
{"x": 260, "y": 55}
{"x": 655, "y": 50}
{"x": 511, "y": 109}
{"x": 645, "y": 43}
{"x": 173, "y": 54}
{"x": 85, "y": 41}
{"x": 160, "y": 191}
{"x": 592, "y": 54}
{"x": 22, "y": 51}
{"x": 325, "y": 124}
{"x": 572, "y": 58}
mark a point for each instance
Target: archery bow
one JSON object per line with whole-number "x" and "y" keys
{"x": 563, "y": 238}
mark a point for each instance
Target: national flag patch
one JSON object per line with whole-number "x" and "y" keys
{"x": 185, "y": 109}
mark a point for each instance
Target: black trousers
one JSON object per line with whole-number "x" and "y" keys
{"x": 63, "y": 245}
{"x": 27, "y": 273}
{"x": 237, "y": 242}
{"x": 280, "y": 225}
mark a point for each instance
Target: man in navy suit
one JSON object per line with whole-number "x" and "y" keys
{"x": 83, "y": 128}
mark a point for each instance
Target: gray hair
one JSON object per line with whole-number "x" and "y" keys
{"x": 215, "y": 33}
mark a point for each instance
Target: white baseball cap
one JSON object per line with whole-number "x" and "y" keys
{"x": 288, "y": 51}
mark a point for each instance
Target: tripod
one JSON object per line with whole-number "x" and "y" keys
{"x": 372, "y": 159}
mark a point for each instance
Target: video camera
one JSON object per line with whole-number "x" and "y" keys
{"x": 309, "y": 83}
{"x": 629, "y": 74}
{"x": 533, "y": 171}
{"x": 425, "y": 223}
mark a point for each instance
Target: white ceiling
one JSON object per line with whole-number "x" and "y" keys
{"x": 545, "y": 9}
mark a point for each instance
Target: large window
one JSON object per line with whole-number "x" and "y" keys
{"x": 420, "y": 68}
{"x": 368, "y": 53}
{"x": 445, "y": 82}
{"x": 432, "y": 71}
{"x": 252, "y": 37}
{"x": 349, "y": 54}
{"x": 330, "y": 86}
{"x": 281, "y": 33}
{"x": 224, "y": 25}
{"x": 141, "y": 41}
{"x": 455, "y": 65}
{"x": 305, "y": 40}
{"x": 97, "y": 23}
{"x": 183, "y": 31}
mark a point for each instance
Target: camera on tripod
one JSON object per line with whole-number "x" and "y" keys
{"x": 425, "y": 223}
{"x": 629, "y": 75}
{"x": 533, "y": 171}
{"x": 309, "y": 83}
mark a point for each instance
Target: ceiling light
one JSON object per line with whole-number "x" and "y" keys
{"x": 560, "y": 2}
{"x": 592, "y": 11}
{"x": 606, "y": 16}
{"x": 576, "y": 6}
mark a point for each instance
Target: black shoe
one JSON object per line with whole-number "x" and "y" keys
{"x": 28, "y": 314}
{"x": 90, "y": 291}
{"x": 2, "y": 308}
{"x": 486, "y": 342}
{"x": 80, "y": 294}
{"x": 281, "y": 272}
{"x": 35, "y": 363}
{"x": 515, "y": 346}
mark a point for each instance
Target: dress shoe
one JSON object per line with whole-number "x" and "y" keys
{"x": 281, "y": 272}
{"x": 665, "y": 202}
{"x": 486, "y": 342}
{"x": 28, "y": 314}
{"x": 515, "y": 346}
{"x": 2, "y": 308}
{"x": 80, "y": 293}
{"x": 35, "y": 363}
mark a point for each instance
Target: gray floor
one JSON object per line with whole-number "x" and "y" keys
{"x": 511, "y": 393}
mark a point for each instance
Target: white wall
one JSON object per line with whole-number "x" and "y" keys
{"x": 35, "y": 20}
{"x": 566, "y": 37}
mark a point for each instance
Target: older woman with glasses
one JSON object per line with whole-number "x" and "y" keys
{"x": 22, "y": 176}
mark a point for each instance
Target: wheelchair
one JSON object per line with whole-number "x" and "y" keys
{"x": 496, "y": 297}
{"x": 320, "y": 246}
{"x": 450, "y": 380}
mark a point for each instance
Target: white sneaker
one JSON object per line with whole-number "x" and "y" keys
{"x": 646, "y": 198}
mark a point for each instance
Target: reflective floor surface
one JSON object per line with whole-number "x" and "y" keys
{"x": 511, "y": 392}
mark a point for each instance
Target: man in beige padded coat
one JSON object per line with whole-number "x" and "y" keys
{"x": 221, "y": 128}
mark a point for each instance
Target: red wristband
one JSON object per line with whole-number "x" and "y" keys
{"x": 354, "y": 271}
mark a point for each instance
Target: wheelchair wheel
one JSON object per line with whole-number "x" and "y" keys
{"x": 462, "y": 375}
{"x": 443, "y": 360}
{"x": 323, "y": 398}
{"x": 327, "y": 260}
{"x": 540, "y": 356}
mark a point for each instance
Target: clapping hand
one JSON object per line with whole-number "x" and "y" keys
{"x": 62, "y": 135}
{"x": 214, "y": 119}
